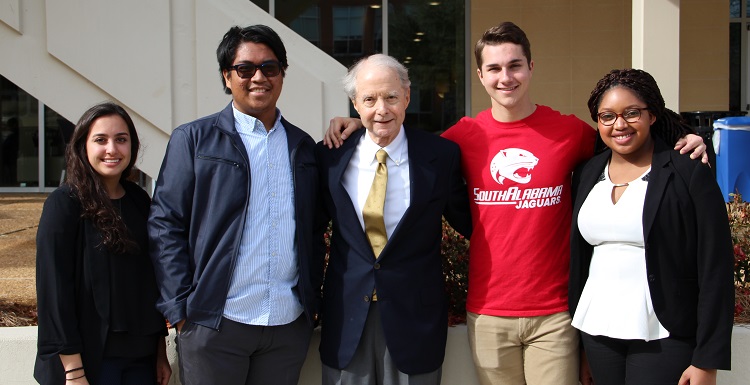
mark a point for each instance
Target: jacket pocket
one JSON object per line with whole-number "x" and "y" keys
{"x": 220, "y": 160}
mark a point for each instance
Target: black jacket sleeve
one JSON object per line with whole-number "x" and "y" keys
{"x": 58, "y": 264}
{"x": 715, "y": 278}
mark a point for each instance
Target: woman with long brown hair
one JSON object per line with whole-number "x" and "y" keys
{"x": 96, "y": 291}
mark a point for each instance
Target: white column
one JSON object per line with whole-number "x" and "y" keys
{"x": 656, "y": 45}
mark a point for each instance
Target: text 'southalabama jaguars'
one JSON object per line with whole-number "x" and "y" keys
{"x": 515, "y": 164}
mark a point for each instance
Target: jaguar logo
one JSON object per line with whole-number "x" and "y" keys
{"x": 514, "y": 164}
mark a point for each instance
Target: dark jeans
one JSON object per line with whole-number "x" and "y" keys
{"x": 637, "y": 362}
{"x": 128, "y": 371}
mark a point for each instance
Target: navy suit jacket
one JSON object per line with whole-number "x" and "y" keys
{"x": 689, "y": 255}
{"x": 408, "y": 273}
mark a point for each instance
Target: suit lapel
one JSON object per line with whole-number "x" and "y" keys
{"x": 422, "y": 173}
{"x": 339, "y": 162}
{"x": 422, "y": 178}
{"x": 657, "y": 183}
{"x": 590, "y": 178}
{"x": 348, "y": 218}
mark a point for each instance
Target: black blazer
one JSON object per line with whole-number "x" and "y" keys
{"x": 689, "y": 254}
{"x": 73, "y": 286}
{"x": 408, "y": 273}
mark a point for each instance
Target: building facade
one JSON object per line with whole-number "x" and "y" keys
{"x": 157, "y": 59}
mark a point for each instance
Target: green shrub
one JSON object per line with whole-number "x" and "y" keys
{"x": 455, "y": 252}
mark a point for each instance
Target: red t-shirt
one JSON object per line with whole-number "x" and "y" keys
{"x": 518, "y": 175}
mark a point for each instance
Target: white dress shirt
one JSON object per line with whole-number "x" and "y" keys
{"x": 360, "y": 173}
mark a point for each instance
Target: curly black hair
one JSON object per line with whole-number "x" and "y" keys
{"x": 669, "y": 126}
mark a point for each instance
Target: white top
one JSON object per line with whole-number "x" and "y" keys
{"x": 360, "y": 173}
{"x": 616, "y": 301}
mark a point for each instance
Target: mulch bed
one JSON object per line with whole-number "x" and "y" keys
{"x": 17, "y": 314}
{"x": 20, "y": 314}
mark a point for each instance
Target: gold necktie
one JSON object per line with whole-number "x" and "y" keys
{"x": 372, "y": 213}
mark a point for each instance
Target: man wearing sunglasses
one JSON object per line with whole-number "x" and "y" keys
{"x": 232, "y": 227}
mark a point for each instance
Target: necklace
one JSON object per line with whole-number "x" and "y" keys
{"x": 619, "y": 184}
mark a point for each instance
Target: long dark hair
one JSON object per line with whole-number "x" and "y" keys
{"x": 86, "y": 184}
{"x": 669, "y": 126}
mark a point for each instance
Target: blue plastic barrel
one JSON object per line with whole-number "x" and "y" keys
{"x": 731, "y": 142}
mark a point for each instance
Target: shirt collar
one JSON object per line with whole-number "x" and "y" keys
{"x": 397, "y": 149}
{"x": 247, "y": 123}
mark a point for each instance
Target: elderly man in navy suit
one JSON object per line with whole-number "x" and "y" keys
{"x": 386, "y": 190}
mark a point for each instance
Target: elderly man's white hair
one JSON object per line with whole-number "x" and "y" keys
{"x": 379, "y": 60}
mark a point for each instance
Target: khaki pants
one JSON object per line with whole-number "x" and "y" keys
{"x": 524, "y": 350}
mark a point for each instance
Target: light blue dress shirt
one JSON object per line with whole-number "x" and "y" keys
{"x": 262, "y": 284}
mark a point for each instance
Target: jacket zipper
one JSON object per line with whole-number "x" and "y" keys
{"x": 215, "y": 159}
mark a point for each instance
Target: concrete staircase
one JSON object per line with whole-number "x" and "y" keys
{"x": 157, "y": 58}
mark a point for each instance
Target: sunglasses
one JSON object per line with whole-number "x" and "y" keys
{"x": 269, "y": 69}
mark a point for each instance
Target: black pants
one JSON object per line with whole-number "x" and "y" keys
{"x": 637, "y": 362}
{"x": 127, "y": 371}
{"x": 240, "y": 354}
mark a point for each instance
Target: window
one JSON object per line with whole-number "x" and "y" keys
{"x": 28, "y": 148}
{"x": 738, "y": 55}
{"x": 308, "y": 25}
{"x": 428, "y": 37}
{"x": 734, "y": 8}
{"x": 735, "y": 66}
{"x": 348, "y": 31}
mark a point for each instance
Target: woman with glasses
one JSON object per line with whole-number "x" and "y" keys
{"x": 96, "y": 291}
{"x": 651, "y": 279}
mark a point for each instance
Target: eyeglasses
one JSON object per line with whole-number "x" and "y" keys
{"x": 631, "y": 115}
{"x": 269, "y": 69}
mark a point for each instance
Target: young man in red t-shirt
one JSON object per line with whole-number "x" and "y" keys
{"x": 517, "y": 158}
